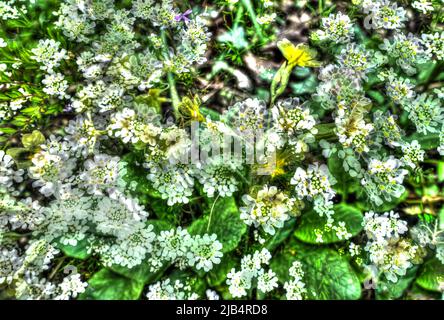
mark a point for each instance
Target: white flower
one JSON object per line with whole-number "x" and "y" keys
{"x": 50, "y": 171}
{"x": 218, "y": 176}
{"x": 336, "y": 28}
{"x": 8, "y": 176}
{"x": 130, "y": 250}
{"x": 434, "y": 44}
{"x": 10, "y": 262}
{"x": 295, "y": 288}
{"x": 118, "y": 216}
{"x": 49, "y": 54}
{"x": 174, "y": 182}
{"x": 168, "y": 290}
{"x": 204, "y": 252}
{"x": 3, "y": 43}
{"x": 269, "y": 210}
{"x": 383, "y": 227}
{"x": 81, "y": 135}
{"x": 426, "y": 112}
{"x": 55, "y": 85}
{"x": 100, "y": 173}
{"x": 313, "y": 182}
{"x": 174, "y": 243}
{"x": 384, "y": 179}
{"x": 267, "y": 281}
{"x": 413, "y": 154}
{"x": 423, "y": 6}
{"x": 70, "y": 287}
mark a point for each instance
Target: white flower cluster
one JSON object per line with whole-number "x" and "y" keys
{"x": 383, "y": 14}
{"x": 336, "y": 28}
{"x": 269, "y": 209}
{"x": 171, "y": 290}
{"x": 383, "y": 180}
{"x": 388, "y": 252}
{"x": 315, "y": 184}
{"x": 49, "y": 54}
{"x": 23, "y": 269}
{"x": 177, "y": 245}
{"x": 295, "y": 288}
{"x": 251, "y": 268}
{"x": 8, "y": 174}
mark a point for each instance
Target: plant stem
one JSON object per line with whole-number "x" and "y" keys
{"x": 249, "y": 6}
{"x": 239, "y": 14}
{"x": 211, "y": 213}
{"x": 175, "y": 99}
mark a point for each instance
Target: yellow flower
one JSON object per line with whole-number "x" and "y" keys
{"x": 300, "y": 55}
{"x": 189, "y": 109}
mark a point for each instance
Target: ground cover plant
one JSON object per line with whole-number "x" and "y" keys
{"x": 226, "y": 149}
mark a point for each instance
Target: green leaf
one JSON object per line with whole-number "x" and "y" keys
{"x": 388, "y": 290}
{"x": 107, "y": 285}
{"x": 328, "y": 276}
{"x": 345, "y": 183}
{"x": 431, "y": 275}
{"x": 427, "y": 142}
{"x": 311, "y": 221}
{"x": 214, "y": 115}
{"x": 134, "y": 178}
{"x": 440, "y": 171}
{"x": 281, "y": 235}
{"x": 225, "y": 222}
{"x": 33, "y": 140}
{"x": 80, "y": 251}
{"x": 280, "y": 81}
{"x": 307, "y": 86}
{"x": 386, "y": 206}
{"x": 218, "y": 274}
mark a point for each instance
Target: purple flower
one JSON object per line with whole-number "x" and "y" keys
{"x": 183, "y": 16}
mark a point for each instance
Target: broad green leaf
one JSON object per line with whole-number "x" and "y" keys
{"x": 427, "y": 142}
{"x": 366, "y": 205}
{"x": 345, "y": 183}
{"x": 133, "y": 177}
{"x": 431, "y": 275}
{"x": 80, "y": 251}
{"x": 218, "y": 274}
{"x": 311, "y": 221}
{"x": 223, "y": 219}
{"x": 197, "y": 284}
{"x": 281, "y": 235}
{"x": 307, "y": 86}
{"x": 107, "y": 285}
{"x": 388, "y": 290}
{"x": 328, "y": 276}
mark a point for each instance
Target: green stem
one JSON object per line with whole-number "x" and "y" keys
{"x": 239, "y": 15}
{"x": 249, "y": 6}
{"x": 211, "y": 213}
{"x": 175, "y": 99}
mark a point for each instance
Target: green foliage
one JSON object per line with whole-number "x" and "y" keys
{"x": 79, "y": 251}
{"x": 222, "y": 218}
{"x": 311, "y": 221}
{"x": 431, "y": 275}
{"x": 107, "y": 285}
{"x": 388, "y": 290}
{"x": 328, "y": 276}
